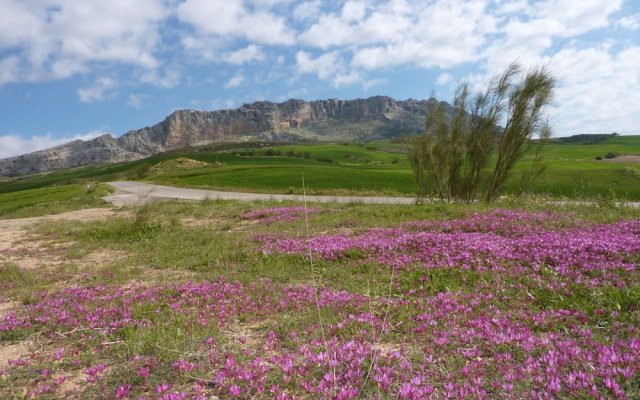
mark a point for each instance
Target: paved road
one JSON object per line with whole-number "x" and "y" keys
{"x": 130, "y": 193}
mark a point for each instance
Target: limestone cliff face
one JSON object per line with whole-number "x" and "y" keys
{"x": 323, "y": 120}
{"x": 74, "y": 154}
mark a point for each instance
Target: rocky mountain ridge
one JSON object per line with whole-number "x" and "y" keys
{"x": 331, "y": 120}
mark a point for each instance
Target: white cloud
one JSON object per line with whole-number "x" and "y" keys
{"x": 14, "y": 145}
{"x": 346, "y": 79}
{"x": 138, "y": 100}
{"x": 591, "y": 75}
{"x": 324, "y": 66}
{"x": 603, "y": 97}
{"x": 443, "y": 79}
{"x": 354, "y": 10}
{"x": 234, "y": 20}
{"x": 399, "y": 33}
{"x": 235, "y": 81}
{"x": 331, "y": 66}
{"x": 527, "y": 38}
{"x": 307, "y": 10}
{"x": 245, "y": 55}
{"x": 103, "y": 89}
{"x": 268, "y": 4}
{"x": 630, "y": 22}
{"x": 9, "y": 69}
{"x": 57, "y": 39}
{"x": 116, "y": 45}
{"x": 164, "y": 78}
{"x": 562, "y": 18}
{"x": 511, "y": 7}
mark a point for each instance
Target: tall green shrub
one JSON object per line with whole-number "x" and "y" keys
{"x": 451, "y": 158}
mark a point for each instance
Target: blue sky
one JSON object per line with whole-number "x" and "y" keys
{"x": 76, "y": 69}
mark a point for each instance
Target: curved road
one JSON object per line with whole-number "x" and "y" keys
{"x": 130, "y": 193}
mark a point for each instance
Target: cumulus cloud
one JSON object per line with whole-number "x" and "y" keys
{"x": 443, "y": 79}
{"x": 630, "y": 22}
{"x": 342, "y": 43}
{"x": 245, "y": 55}
{"x": 164, "y": 78}
{"x": 441, "y": 33}
{"x": 14, "y": 144}
{"x": 234, "y": 19}
{"x": 527, "y": 37}
{"x": 323, "y": 66}
{"x": 103, "y": 89}
{"x": 331, "y": 66}
{"x": 138, "y": 100}
{"x": 307, "y": 10}
{"x": 9, "y": 69}
{"x": 235, "y": 81}
{"x": 605, "y": 97}
{"x": 57, "y": 39}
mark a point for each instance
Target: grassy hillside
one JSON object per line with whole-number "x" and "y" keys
{"x": 363, "y": 168}
{"x": 573, "y": 171}
{"x": 51, "y": 200}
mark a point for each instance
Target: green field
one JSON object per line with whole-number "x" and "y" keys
{"x": 356, "y": 169}
{"x": 51, "y": 200}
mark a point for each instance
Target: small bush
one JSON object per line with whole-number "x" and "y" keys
{"x": 139, "y": 172}
{"x": 611, "y": 155}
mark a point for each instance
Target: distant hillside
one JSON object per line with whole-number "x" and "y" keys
{"x": 332, "y": 120}
{"x": 586, "y": 138}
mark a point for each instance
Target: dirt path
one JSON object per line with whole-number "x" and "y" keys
{"x": 129, "y": 193}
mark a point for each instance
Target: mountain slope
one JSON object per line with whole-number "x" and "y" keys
{"x": 294, "y": 120}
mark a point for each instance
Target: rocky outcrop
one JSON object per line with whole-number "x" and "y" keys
{"x": 323, "y": 120}
{"x": 69, "y": 155}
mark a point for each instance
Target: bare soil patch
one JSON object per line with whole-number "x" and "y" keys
{"x": 630, "y": 159}
{"x": 13, "y": 351}
{"x": 73, "y": 383}
{"x": 18, "y": 247}
{"x": 6, "y": 306}
{"x": 89, "y": 214}
{"x": 248, "y": 334}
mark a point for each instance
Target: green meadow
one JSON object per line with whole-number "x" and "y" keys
{"x": 52, "y": 200}
{"x": 374, "y": 168}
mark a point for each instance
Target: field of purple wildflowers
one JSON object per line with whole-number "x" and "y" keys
{"x": 373, "y": 302}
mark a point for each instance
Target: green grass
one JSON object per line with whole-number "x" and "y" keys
{"x": 381, "y": 168}
{"x": 51, "y": 200}
{"x": 220, "y": 242}
{"x": 356, "y": 169}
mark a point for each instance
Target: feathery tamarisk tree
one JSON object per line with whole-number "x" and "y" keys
{"x": 451, "y": 158}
